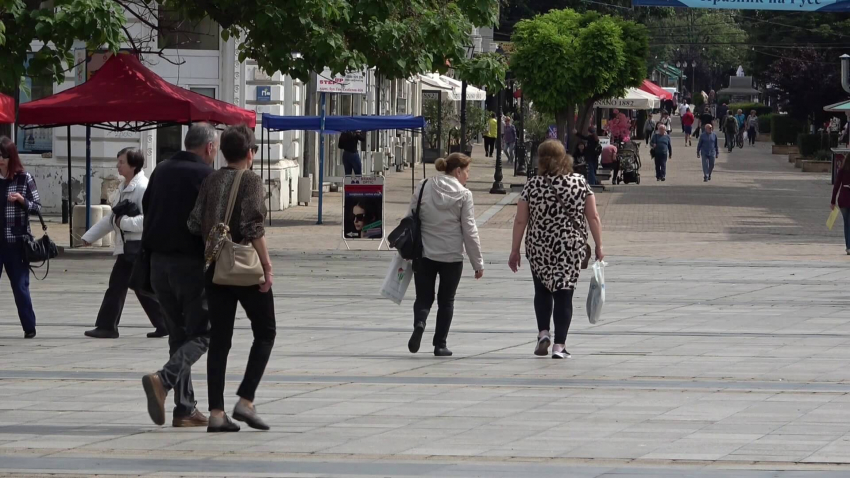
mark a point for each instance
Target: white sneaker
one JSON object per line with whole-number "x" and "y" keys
{"x": 542, "y": 348}
{"x": 560, "y": 354}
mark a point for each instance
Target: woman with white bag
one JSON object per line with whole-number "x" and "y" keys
{"x": 556, "y": 206}
{"x": 447, "y": 228}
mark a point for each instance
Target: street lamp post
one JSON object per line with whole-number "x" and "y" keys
{"x": 498, "y": 187}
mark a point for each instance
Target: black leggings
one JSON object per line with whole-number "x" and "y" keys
{"x": 558, "y": 305}
{"x": 425, "y": 277}
{"x": 751, "y": 135}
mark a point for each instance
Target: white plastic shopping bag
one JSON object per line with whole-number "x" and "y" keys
{"x": 596, "y": 294}
{"x": 745, "y": 135}
{"x": 397, "y": 279}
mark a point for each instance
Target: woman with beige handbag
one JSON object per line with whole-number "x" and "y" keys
{"x": 230, "y": 214}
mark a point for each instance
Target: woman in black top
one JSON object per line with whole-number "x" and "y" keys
{"x": 348, "y": 143}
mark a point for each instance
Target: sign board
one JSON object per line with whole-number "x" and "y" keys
{"x": 776, "y": 5}
{"x": 624, "y": 103}
{"x": 431, "y": 95}
{"x": 353, "y": 82}
{"x": 363, "y": 208}
{"x": 264, "y": 93}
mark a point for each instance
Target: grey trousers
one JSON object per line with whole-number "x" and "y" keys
{"x": 707, "y": 164}
{"x": 178, "y": 281}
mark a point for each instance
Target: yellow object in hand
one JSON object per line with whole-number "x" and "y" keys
{"x": 830, "y": 221}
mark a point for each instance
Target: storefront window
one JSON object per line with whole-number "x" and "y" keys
{"x": 39, "y": 140}
{"x": 178, "y": 33}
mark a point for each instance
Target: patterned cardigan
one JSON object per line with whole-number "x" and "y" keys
{"x": 17, "y": 217}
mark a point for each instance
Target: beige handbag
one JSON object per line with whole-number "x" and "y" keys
{"x": 237, "y": 264}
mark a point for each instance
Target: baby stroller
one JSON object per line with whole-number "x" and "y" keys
{"x": 628, "y": 160}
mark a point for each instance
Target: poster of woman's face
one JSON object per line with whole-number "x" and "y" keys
{"x": 363, "y": 215}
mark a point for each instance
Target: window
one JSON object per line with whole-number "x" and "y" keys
{"x": 169, "y": 139}
{"x": 38, "y": 140}
{"x": 178, "y": 33}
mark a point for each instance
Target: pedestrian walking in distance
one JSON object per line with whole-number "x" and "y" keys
{"x": 556, "y": 207}
{"x": 707, "y": 150}
{"x": 490, "y": 135}
{"x": 752, "y": 127}
{"x": 648, "y": 127}
{"x": 246, "y": 227}
{"x": 688, "y": 125}
{"x": 18, "y": 199}
{"x": 841, "y": 198}
{"x": 177, "y": 273}
{"x": 663, "y": 148}
{"x": 509, "y": 139}
{"x": 128, "y": 245}
{"x": 730, "y": 128}
{"x": 448, "y": 227}
{"x": 349, "y": 141}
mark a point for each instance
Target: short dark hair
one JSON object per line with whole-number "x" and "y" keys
{"x": 135, "y": 158}
{"x": 236, "y": 141}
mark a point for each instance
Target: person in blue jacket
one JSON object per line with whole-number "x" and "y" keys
{"x": 708, "y": 150}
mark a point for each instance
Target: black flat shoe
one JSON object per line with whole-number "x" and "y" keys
{"x": 416, "y": 338}
{"x": 442, "y": 352}
{"x": 102, "y": 334}
{"x": 29, "y": 335}
{"x": 157, "y": 334}
{"x": 221, "y": 425}
{"x": 250, "y": 417}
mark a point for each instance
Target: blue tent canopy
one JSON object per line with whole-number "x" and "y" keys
{"x": 336, "y": 124}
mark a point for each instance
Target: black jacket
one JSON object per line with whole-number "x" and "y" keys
{"x": 168, "y": 201}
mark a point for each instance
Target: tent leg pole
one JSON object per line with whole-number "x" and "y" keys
{"x": 70, "y": 204}
{"x": 88, "y": 177}
{"x": 269, "y": 167}
{"x": 321, "y": 158}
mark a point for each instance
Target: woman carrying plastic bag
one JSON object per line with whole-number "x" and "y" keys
{"x": 596, "y": 294}
{"x": 397, "y": 279}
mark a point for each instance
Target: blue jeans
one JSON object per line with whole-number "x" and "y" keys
{"x": 13, "y": 261}
{"x": 352, "y": 163}
{"x": 707, "y": 165}
{"x": 845, "y": 214}
{"x": 592, "y": 165}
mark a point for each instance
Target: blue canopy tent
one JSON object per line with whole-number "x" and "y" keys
{"x": 333, "y": 124}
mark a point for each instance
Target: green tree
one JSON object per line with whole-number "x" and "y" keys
{"x": 565, "y": 60}
{"x": 55, "y": 24}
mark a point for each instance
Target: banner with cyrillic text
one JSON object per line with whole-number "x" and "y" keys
{"x": 795, "y": 5}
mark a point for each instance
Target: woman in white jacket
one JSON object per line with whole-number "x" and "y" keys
{"x": 128, "y": 237}
{"x": 448, "y": 226}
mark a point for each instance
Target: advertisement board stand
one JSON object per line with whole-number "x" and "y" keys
{"x": 363, "y": 209}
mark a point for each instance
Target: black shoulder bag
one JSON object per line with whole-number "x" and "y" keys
{"x": 587, "y": 252}
{"x": 407, "y": 237}
{"x": 39, "y": 250}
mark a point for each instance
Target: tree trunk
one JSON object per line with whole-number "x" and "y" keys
{"x": 562, "y": 123}
{"x": 584, "y": 114}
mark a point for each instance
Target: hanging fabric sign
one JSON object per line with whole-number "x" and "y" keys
{"x": 796, "y": 5}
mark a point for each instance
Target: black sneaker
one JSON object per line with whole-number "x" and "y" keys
{"x": 563, "y": 354}
{"x": 416, "y": 338}
{"x": 98, "y": 333}
{"x": 442, "y": 352}
{"x": 29, "y": 335}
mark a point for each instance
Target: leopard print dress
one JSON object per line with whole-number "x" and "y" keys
{"x": 555, "y": 239}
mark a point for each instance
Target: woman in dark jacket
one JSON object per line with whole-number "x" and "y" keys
{"x": 348, "y": 143}
{"x": 246, "y": 226}
{"x": 841, "y": 197}
{"x": 17, "y": 189}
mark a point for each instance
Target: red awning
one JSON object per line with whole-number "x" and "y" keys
{"x": 656, "y": 90}
{"x": 124, "y": 94}
{"x": 7, "y": 109}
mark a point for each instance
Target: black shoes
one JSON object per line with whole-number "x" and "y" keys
{"x": 29, "y": 335}
{"x": 705, "y": 179}
{"x": 102, "y": 334}
{"x": 249, "y": 416}
{"x": 155, "y": 334}
{"x": 416, "y": 338}
{"x": 222, "y": 424}
{"x": 442, "y": 352}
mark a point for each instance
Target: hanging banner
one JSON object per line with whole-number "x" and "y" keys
{"x": 363, "y": 207}
{"x": 354, "y": 82}
{"x": 796, "y": 5}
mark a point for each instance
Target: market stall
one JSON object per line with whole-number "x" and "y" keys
{"x": 7, "y": 109}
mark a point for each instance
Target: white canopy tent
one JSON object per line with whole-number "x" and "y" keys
{"x": 432, "y": 83}
{"x": 472, "y": 93}
{"x": 634, "y": 99}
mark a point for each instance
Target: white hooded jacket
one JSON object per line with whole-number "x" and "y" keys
{"x": 132, "y": 226}
{"x": 448, "y": 221}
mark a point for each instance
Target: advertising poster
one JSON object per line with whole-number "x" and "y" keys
{"x": 363, "y": 208}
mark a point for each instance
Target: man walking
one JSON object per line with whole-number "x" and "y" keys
{"x": 177, "y": 273}
{"x": 708, "y": 150}
{"x": 687, "y": 125}
{"x": 663, "y": 149}
{"x": 490, "y": 135}
{"x": 730, "y": 128}
{"x": 509, "y": 139}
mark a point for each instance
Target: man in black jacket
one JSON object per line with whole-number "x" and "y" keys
{"x": 177, "y": 272}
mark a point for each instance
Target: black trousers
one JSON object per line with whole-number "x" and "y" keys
{"x": 425, "y": 276}
{"x": 116, "y": 294}
{"x": 556, "y": 305}
{"x": 259, "y": 307}
{"x": 489, "y": 145}
{"x": 178, "y": 281}
{"x": 751, "y": 135}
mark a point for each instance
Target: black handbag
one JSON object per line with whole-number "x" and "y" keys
{"x": 40, "y": 250}
{"x": 407, "y": 237}
{"x": 140, "y": 278}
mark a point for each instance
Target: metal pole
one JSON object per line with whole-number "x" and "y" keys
{"x": 321, "y": 158}
{"x": 463, "y": 117}
{"x": 70, "y": 204}
{"x": 88, "y": 177}
{"x": 519, "y": 152}
{"x": 269, "y": 154}
{"x": 498, "y": 187}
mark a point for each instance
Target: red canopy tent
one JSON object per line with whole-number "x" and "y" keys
{"x": 7, "y": 109}
{"x": 656, "y": 90}
{"x": 124, "y": 95}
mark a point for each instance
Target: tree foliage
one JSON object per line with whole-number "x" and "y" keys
{"x": 808, "y": 80}
{"x": 565, "y": 58}
{"x": 56, "y": 25}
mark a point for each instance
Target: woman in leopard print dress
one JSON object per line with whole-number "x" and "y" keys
{"x": 557, "y": 206}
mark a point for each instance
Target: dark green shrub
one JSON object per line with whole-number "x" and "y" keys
{"x": 764, "y": 123}
{"x": 784, "y": 129}
{"x": 808, "y": 144}
{"x": 747, "y": 107}
{"x": 823, "y": 155}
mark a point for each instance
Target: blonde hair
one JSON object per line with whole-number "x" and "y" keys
{"x": 553, "y": 159}
{"x": 452, "y": 162}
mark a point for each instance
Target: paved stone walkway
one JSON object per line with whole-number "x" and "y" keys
{"x": 723, "y": 353}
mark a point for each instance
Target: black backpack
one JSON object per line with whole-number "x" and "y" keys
{"x": 407, "y": 238}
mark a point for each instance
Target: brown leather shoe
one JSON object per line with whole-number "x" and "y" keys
{"x": 196, "y": 419}
{"x": 156, "y": 397}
